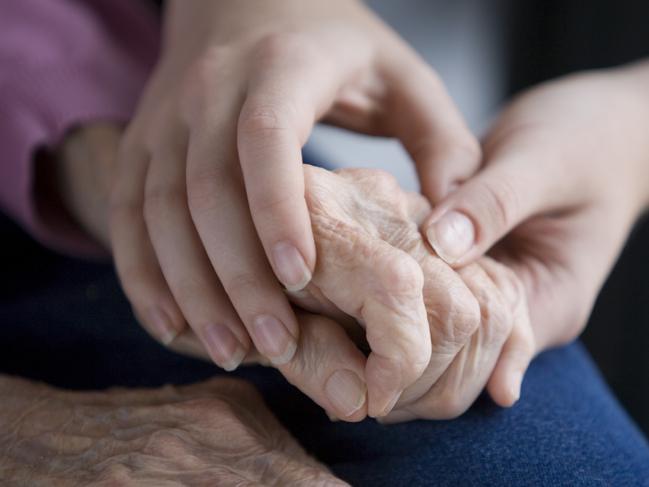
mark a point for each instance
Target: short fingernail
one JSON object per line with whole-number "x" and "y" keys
{"x": 332, "y": 417}
{"x": 346, "y": 391}
{"x": 291, "y": 269}
{"x": 274, "y": 340}
{"x": 223, "y": 346}
{"x": 161, "y": 324}
{"x": 451, "y": 236}
{"x": 390, "y": 406}
{"x": 515, "y": 380}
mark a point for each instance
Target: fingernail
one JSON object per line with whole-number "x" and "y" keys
{"x": 346, "y": 391}
{"x": 332, "y": 417}
{"x": 452, "y": 236}
{"x": 223, "y": 346}
{"x": 515, "y": 380}
{"x": 161, "y": 324}
{"x": 289, "y": 263}
{"x": 274, "y": 340}
{"x": 390, "y": 406}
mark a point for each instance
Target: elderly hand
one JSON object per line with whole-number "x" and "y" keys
{"x": 207, "y": 204}
{"x": 375, "y": 268}
{"x": 566, "y": 175}
{"x": 436, "y": 336}
{"x": 216, "y": 432}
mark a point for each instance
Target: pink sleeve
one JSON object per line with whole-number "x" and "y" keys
{"x": 63, "y": 63}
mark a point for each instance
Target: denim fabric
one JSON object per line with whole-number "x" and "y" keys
{"x": 67, "y": 322}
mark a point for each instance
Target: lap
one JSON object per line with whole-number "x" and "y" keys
{"x": 567, "y": 429}
{"x": 66, "y": 322}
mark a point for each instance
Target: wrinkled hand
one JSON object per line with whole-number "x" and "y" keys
{"x": 435, "y": 336}
{"x": 375, "y": 268}
{"x": 207, "y": 217}
{"x": 566, "y": 175}
{"x": 216, "y": 432}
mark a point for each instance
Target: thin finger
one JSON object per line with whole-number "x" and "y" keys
{"x": 221, "y": 215}
{"x": 135, "y": 260}
{"x": 184, "y": 262}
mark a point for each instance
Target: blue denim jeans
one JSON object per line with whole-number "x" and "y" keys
{"x": 67, "y": 322}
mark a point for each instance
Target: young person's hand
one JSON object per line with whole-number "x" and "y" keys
{"x": 566, "y": 174}
{"x": 207, "y": 217}
{"x": 422, "y": 320}
{"x": 214, "y": 432}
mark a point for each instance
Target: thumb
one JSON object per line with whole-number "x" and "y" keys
{"x": 469, "y": 221}
{"x": 328, "y": 368}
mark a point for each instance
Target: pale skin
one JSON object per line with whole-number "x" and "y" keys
{"x": 172, "y": 436}
{"x": 208, "y": 218}
{"x": 563, "y": 242}
{"x": 562, "y": 251}
{"x": 565, "y": 176}
{"x": 420, "y": 317}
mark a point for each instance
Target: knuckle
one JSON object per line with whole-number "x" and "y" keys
{"x": 511, "y": 287}
{"x": 383, "y": 180}
{"x": 404, "y": 356}
{"x": 277, "y": 47}
{"x": 198, "y": 85}
{"x": 263, "y": 120}
{"x": 400, "y": 274}
{"x": 168, "y": 443}
{"x": 159, "y": 199}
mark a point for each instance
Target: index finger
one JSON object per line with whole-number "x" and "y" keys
{"x": 290, "y": 89}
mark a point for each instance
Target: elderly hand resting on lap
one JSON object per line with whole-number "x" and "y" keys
{"x": 188, "y": 435}
{"x": 435, "y": 336}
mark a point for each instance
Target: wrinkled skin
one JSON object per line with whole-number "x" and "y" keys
{"x": 207, "y": 213}
{"x": 217, "y": 432}
{"x": 446, "y": 332}
{"x": 434, "y": 333}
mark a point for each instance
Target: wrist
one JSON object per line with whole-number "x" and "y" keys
{"x": 83, "y": 168}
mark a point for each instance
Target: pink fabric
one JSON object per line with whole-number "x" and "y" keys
{"x": 63, "y": 63}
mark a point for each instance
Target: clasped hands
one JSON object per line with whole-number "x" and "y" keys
{"x": 435, "y": 336}
{"x": 547, "y": 204}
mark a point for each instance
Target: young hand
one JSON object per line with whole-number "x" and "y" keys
{"x": 565, "y": 176}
